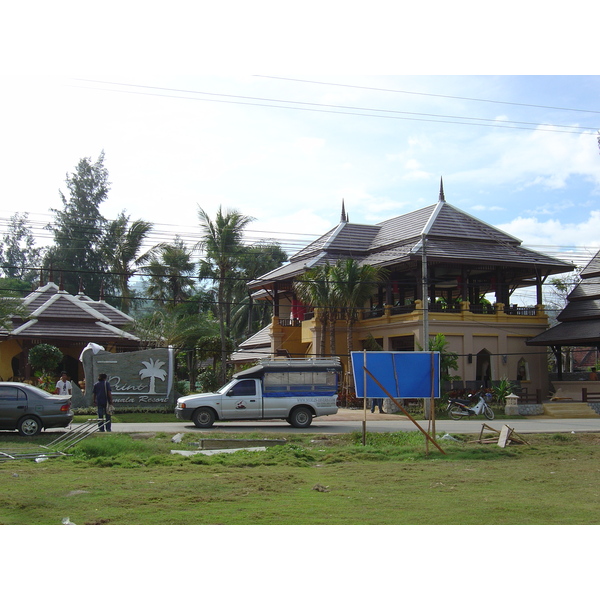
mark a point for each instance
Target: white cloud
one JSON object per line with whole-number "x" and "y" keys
{"x": 554, "y": 233}
{"x": 539, "y": 158}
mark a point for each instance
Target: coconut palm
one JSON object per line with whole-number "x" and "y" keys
{"x": 354, "y": 284}
{"x": 222, "y": 245}
{"x": 171, "y": 272}
{"x": 123, "y": 246}
{"x": 256, "y": 260}
{"x": 314, "y": 288}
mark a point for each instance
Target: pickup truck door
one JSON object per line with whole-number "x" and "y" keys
{"x": 243, "y": 400}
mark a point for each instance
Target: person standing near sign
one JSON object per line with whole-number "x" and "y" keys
{"x": 377, "y": 402}
{"x": 102, "y": 396}
{"x": 63, "y": 386}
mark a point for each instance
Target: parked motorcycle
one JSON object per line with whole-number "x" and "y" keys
{"x": 457, "y": 409}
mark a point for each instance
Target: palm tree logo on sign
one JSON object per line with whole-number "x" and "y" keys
{"x": 153, "y": 371}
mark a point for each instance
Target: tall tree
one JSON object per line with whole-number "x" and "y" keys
{"x": 19, "y": 257}
{"x": 80, "y": 229}
{"x": 222, "y": 245}
{"x": 256, "y": 260}
{"x": 171, "y": 273}
{"x": 314, "y": 288}
{"x": 123, "y": 252}
{"x": 354, "y": 284}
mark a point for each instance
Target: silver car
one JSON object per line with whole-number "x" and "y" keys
{"x": 29, "y": 409}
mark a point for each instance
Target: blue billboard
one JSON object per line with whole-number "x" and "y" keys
{"x": 402, "y": 374}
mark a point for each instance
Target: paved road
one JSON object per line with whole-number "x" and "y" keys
{"x": 347, "y": 421}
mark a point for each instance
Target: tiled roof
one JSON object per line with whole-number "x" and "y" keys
{"x": 573, "y": 333}
{"x": 580, "y": 319}
{"x": 255, "y": 347}
{"x": 592, "y": 269}
{"x": 452, "y": 236}
{"x": 115, "y": 316}
{"x": 55, "y": 314}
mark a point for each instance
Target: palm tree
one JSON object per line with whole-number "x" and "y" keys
{"x": 255, "y": 261}
{"x": 314, "y": 288}
{"x": 354, "y": 285}
{"x": 222, "y": 245}
{"x": 171, "y": 273}
{"x": 123, "y": 245}
{"x": 184, "y": 332}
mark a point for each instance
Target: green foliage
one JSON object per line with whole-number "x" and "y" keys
{"x": 80, "y": 230}
{"x": 448, "y": 360}
{"x": 222, "y": 245}
{"x": 10, "y": 306}
{"x": 19, "y": 256}
{"x": 123, "y": 253}
{"x": 502, "y": 390}
{"x": 475, "y": 484}
{"x": 44, "y": 358}
{"x": 208, "y": 380}
{"x": 171, "y": 273}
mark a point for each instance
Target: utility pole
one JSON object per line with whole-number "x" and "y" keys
{"x": 425, "y": 305}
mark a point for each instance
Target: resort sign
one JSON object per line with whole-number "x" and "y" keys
{"x": 138, "y": 379}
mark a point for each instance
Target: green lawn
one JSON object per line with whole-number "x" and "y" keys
{"x": 132, "y": 479}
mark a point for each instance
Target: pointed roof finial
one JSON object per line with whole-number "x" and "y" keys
{"x": 80, "y": 286}
{"x": 344, "y": 218}
{"x": 442, "y": 197}
{"x": 61, "y": 286}
{"x": 102, "y": 292}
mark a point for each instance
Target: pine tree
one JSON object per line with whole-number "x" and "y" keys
{"x": 80, "y": 230}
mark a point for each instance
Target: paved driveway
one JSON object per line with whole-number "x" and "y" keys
{"x": 346, "y": 421}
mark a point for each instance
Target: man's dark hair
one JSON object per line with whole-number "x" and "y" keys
{"x": 102, "y": 377}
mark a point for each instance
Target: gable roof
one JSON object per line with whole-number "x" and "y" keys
{"x": 56, "y": 314}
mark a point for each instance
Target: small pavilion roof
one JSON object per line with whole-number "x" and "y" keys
{"x": 55, "y": 314}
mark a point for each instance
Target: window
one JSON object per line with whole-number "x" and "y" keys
{"x": 11, "y": 393}
{"x": 522, "y": 370}
{"x": 245, "y": 387}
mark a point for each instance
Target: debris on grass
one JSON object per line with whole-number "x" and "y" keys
{"x": 320, "y": 488}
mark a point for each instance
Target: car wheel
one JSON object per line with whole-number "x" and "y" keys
{"x": 203, "y": 417}
{"x": 300, "y": 417}
{"x": 29, "y": 426}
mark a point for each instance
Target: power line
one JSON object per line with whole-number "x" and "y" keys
{"x": 583, "y": 110}
{"x": 311, "y": 107}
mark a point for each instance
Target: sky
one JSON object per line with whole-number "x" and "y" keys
{"x": 282, "y": 110}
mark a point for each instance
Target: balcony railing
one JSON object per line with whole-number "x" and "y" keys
{"x": 290, "y": 322}
{"x": 438, "y": 307}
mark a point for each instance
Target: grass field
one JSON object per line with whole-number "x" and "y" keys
{"x": 133, "y": 479}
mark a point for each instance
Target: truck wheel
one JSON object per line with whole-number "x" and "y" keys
{"x": 300, "y": 417}
{"x": 203, "y": 417}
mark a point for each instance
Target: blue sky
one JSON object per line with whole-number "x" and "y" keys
{"x": 84, "y": 81}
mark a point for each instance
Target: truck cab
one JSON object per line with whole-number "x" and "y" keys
{"x": 296, "y": 390}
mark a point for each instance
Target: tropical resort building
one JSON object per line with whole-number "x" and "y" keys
{"x": 53, "y": 316}
{"x": 442, "y": 268}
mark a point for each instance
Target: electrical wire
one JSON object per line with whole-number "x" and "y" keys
{"x": 324, "y": 108}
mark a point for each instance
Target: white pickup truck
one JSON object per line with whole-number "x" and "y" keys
{"x": 292, "y": 389}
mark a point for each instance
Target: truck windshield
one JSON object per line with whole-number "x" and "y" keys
{"x": 223, "y": 389}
